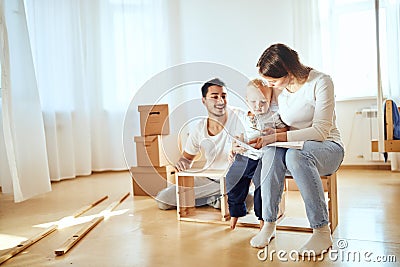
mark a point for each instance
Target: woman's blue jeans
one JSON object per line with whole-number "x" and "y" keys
{"x": 305, "y": 166}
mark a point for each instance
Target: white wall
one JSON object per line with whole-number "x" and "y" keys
{"x": 235, "y": 33}
{"x": 357, "y": 131}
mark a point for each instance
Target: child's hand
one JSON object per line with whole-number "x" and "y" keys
{"x": 262, "y": 141}
{"x": 231, "y": 156}
{"x": 237, "y": 149}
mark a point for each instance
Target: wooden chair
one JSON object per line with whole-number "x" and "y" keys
{"x": 301, "y": 224}
{"x": 390, "y": 145}
{"x": 185, "y": 199}
{"x": 186, "y": 210}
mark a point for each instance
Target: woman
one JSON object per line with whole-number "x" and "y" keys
{"x": 307, "y": 106}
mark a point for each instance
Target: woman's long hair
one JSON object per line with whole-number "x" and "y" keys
{"x": 279, "y": 60}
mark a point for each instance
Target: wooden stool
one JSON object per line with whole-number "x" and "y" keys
{"x": 301, "y": 224}
{"x": 185, "y": 199}
{"x": 186, "y": 210}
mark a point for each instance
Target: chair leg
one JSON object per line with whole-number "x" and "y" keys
{"x": 332, "y": 201}
{"x": 282, "y": 205}
{"x": 185, "y": 198}
{"x": 224, "y": 200}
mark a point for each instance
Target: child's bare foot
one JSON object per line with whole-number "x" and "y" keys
{"x": 233, "y": 222}
{"x": 261, "y": 224}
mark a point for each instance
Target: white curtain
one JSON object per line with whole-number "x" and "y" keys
{"x": 89, "y": 58}
{"x": 307, "y": 32}
{"x": 24, "y": 169}
{"x": 393, "y": 43}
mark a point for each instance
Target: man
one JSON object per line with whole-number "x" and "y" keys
{"x": 212, "y": 136}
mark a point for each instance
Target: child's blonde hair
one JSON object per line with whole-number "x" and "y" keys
{"x": 262, "y": 86}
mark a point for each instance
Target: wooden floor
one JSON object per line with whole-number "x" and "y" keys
{"x": 138, "y": 234}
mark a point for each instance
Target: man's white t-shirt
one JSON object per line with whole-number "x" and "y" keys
{"x": 216, "y": 148}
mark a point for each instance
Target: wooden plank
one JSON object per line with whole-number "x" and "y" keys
{"x": 213, "y": 216}
{"x": 389, "y": 120}
{"x": 201, "y": 172}
{"x": 25, "y": 244}
{"x": 392, "y": 145}
{"x": 292, "y": 186}
{"x": 88, "y": 207}
{"x": 293, "y": 224}
{"x": 77, "y": 236}
{"x": 72, "y": 241}
{"x": 388, "y": 145}
{"x": 374, "y": 146}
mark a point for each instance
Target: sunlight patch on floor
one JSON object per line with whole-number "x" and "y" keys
{"x": 9, "y": 241}
{"x": 71, "y": 221}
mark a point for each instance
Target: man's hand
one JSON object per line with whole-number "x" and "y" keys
{"x": 183, "y": 164}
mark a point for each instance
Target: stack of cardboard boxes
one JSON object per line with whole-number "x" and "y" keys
{"x": 153, "y": 171}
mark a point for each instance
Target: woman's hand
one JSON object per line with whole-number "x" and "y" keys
{"x": 263, "y": 141}
{"x": 268, "y": 131}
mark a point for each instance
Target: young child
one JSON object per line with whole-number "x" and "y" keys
{"x": 246, "y": 165}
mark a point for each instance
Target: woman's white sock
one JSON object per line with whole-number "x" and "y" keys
{"x": 319, "y": 242}
{"x": 267, "y": 233}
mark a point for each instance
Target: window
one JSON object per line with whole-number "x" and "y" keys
{"x": 138, "y": 42}
{"x": 348, "y": 33}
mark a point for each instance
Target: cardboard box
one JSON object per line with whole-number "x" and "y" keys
{"x": 150, "y": 151}
{"x": 148, "y": 181}
{"x": 154, "y": 119}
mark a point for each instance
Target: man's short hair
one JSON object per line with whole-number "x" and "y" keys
{"x": 215, "y": 81}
